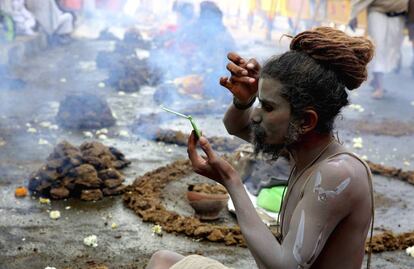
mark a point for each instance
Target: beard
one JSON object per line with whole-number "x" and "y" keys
{"x": 259, "y": 138}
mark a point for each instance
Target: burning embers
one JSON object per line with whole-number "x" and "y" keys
{"x": 84, "y": 112}
{"x": 89, "y": 172}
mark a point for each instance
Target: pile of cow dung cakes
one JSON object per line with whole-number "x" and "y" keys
{"x": 208, "y": 188}
{"x": 89, "y": 172}
{"x": 137, "y": 73}
{"x": 128, "y": 70}
{"x": 388, "y": 171}
{"x": 388, "y": 127}
{"x": 84, "y": 111}
{"x": 181, "y": 139}
{"x": 388, "y": 241}
{"x": 144, "y": 198}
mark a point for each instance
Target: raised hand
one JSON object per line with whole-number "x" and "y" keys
{"x": 243, "y": 82}
{"x": 211, "y": 166}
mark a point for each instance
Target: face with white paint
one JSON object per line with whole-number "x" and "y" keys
{"x": 272, "y": 124}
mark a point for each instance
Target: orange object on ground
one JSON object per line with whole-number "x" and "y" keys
{"x": 21, "y": 192}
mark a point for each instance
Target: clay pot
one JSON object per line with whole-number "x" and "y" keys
{"x": 206, "y": 206}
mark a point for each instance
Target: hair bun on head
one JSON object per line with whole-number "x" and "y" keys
{"x": 347, "y": 56}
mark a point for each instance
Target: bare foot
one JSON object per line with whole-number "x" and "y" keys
{"x": 378, "y": 94}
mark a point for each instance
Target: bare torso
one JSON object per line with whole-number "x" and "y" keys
{"x": 345, "y": 245}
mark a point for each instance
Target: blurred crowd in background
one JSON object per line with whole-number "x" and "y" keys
{"x": 174, "y": 24}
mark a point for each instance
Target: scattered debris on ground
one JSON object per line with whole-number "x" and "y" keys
{"x": 388, "y": 241}
{"x": 89, "y": 172}
{"x": 87, "y": 111}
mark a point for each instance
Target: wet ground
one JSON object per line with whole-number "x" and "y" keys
{"x": 30, "y": 239}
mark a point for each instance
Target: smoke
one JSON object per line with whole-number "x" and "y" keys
{"x": 195, "y": 47}
{"x": 183, "y": 42}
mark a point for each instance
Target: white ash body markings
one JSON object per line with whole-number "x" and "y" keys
{"x": 326, "y": 201}
{"x": 323, "y": 194}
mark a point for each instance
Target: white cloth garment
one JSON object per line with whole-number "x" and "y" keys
{"x": 6, "y": 6}
{"x": 387, "y": 34}
{"x": 50, "y": 17}
{"x": 357, "y": 6}
{"x": 23, "y": 19}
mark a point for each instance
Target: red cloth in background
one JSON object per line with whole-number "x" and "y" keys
{"x": 71, "y": 4}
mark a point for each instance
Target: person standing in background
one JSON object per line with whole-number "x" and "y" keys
{"x": 58, "y": 25}
{"x": 251, "y": 10}
{"x": 410, "y": 25}
{"x": 23, "y": 19}
{"x": 386, "y": 22}
{"x": 269, "y": 9}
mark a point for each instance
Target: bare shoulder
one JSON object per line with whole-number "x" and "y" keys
{"x": 344, "y": 173}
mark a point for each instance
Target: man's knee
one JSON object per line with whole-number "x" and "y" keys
{"x": 163, "y": 259}
{"x": 161, "y": 255}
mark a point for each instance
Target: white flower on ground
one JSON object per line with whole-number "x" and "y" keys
{"x": 43, "y": 141}
{"x": 356, "y": 107}
{"x": 410, "y": 251}
{"x": 91, "y": 241}
{"x": 54, "y": 214}
{"x": 88, "y": 134}
{"x": 44, "y": 200}
{"x": 102, "y": 137}
{"x": 45, "y": 124}
{"x": 156, "y": 230}
{"x": 124, "y": 133}
{"x": 357, "y": 142}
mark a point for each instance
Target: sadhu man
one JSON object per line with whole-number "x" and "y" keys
{"x": 328, "y": 206}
